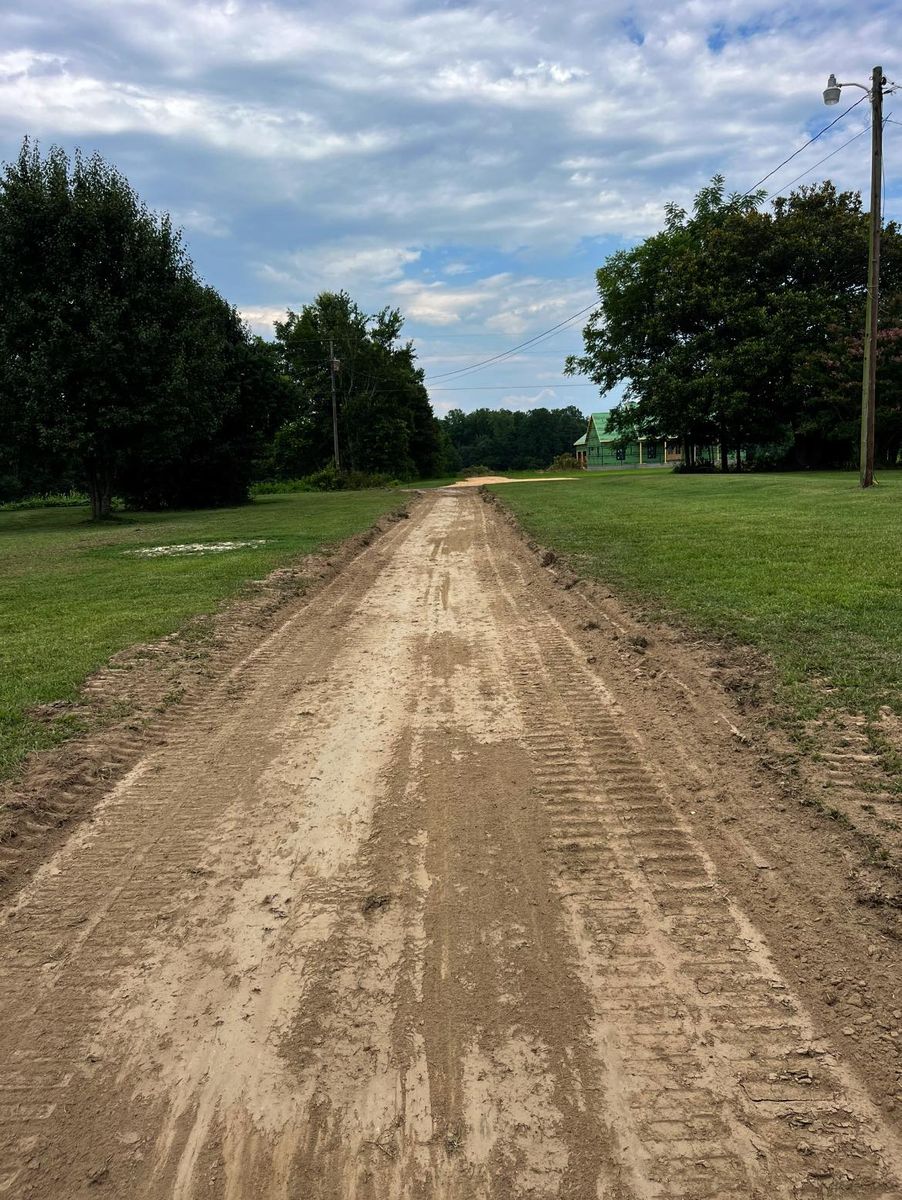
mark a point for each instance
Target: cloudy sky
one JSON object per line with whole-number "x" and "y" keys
{"x": 470, "y": 162}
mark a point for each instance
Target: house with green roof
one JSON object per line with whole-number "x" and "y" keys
{"x": 600, "y": 450}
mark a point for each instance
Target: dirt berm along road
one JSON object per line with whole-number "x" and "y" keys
{"x": 408, "y": 908}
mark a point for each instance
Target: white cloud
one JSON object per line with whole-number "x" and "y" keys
{"x": 454, "y": 159}
{"x": 15, "y": 63}
{"x": 352, "y": 265}
{"x": 196, "y": 220}
{"x": 505, "y": 303}
{"x": 71, "y": 102}
{"x": 261, "y": 320}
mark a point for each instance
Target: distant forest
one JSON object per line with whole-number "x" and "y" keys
{"x": 510, "y": 441}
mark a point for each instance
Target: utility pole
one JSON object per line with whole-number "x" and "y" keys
{"x": 869, "y": 372}
{"x": 869, "y": 375}
{"x": 333, "y": 367}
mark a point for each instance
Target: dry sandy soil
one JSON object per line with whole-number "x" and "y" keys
{"x": 484, "y": 480}
{"x": 451, "y": 887}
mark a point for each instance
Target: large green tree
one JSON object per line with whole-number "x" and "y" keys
{"x": 385, "y": 420}
{"x": 115, "y": 360}
{"x": 739, "y": 326}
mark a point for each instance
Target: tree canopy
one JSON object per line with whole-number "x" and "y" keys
{"x": 512, "y": 441}
{"x": 385, "y": 420}
{"x": 742, "y": 327}
{"x": 118, "y": 367}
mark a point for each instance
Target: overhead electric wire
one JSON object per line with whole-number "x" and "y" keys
{"x": 513, "y": 349}
{"x": 507, "y": 356}
{"x": 506, "y": 387}
{"x": 546, "y": 334}
{"x": 821, "y": 161}
{"x": 820, "y": 133}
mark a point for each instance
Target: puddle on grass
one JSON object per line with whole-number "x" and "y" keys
{"x": 195, "y": 548}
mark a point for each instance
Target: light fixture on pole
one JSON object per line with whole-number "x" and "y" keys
{"x": 876, "y": 92}
{"x": 832, "y": 91}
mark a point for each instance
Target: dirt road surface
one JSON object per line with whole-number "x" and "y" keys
{"x": 408, "y": 908}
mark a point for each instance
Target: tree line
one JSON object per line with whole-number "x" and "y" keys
{"x": 510, "y": 441}
{"x": 123, "y": 374}
{"x": 739, "y": 327}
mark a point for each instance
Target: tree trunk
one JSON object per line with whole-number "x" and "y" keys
{"x": 100, "y": 491}
{"x": 738, "y": 458}
{"x": 724, "y": 459}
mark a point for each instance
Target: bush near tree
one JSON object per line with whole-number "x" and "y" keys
{"x": 742, "y": 327}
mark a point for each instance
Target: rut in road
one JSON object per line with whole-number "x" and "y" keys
{"x": 404, "y": 911}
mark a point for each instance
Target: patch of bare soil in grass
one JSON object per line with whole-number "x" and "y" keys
{"x": 137, "y": 699}
{"x": 483, "y": 480}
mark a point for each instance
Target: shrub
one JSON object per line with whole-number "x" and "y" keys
{"x": 479, "y": 469}
{"x": 47, "y": 500}
{"x": 697, "y": 468}
{"x": 565, "y": 462}
{"x": 775, "y": 456}
{"x": 327, "y": 479}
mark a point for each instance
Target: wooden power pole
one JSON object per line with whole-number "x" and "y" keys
{"x": 869, "y": 374}
{"x": 333, "y": 367}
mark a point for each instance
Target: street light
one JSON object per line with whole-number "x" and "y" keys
{"x": 869, "y": 373}
{"x": 832, "y": 91}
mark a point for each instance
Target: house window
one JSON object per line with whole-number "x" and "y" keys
{"x": 620, "y": 454}
{"x": 651, "y": 451}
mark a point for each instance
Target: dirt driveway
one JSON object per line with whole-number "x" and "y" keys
{"x": 407, "y": 908}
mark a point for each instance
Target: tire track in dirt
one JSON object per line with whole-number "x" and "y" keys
{"x": 159, "y": 842}
{"x": 724, "y": 1088}
{"x": 400, "y": 911}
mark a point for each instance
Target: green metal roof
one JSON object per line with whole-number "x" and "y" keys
{"x": 581, "y": 441}
{"x": 600, "y": 421}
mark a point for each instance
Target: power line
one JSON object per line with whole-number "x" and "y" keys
{"x": 820, "y": 133}
{"x": 821, "y": 161}
{"x": 506, "y": 353}
{"x": 539, "y": 340}
{"x": 546, "y": 334}
{"x": 506, "y": 387}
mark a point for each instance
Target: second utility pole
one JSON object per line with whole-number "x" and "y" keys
{"x": 332, "y": 367}
{"x": 869, "y": 375}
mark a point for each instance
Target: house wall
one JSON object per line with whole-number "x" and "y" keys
{"x": 605, "y": 455}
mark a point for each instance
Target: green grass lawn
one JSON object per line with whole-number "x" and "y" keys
{"x": 807, "y": 567}
{"x": 70, "y": 596}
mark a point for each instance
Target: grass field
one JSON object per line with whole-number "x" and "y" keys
{"x": 71, "y": 595}
{"x": 804, "y": 566}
